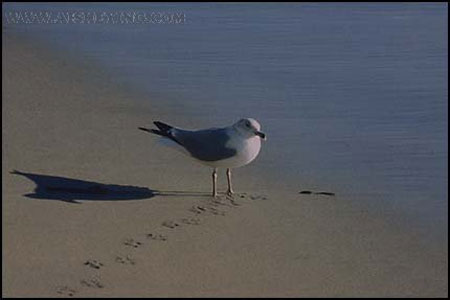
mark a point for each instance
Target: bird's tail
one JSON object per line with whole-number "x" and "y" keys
{"x": 164, "y": 130}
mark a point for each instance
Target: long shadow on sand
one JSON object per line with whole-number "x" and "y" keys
{"x": 69, "y": 190}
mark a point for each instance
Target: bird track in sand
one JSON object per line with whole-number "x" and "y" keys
{"x": 156, "y": 236}
{"x": 65, "y": 291}
{"x": 132, "y": 243}
{"x": 126, "y": 260}
{"x": 211, "y": 207}
{"x": 93, "y": 263}
{"x": 93, "y": 282}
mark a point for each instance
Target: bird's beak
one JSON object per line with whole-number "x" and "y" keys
{"x": 261, "y": 135}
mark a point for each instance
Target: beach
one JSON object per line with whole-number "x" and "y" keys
{"x": 93, "y": 207}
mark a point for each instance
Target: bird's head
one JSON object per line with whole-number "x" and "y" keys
{"x": 249, "y": 128}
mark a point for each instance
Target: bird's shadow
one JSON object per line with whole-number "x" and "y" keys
{"x": 69, "y": 190}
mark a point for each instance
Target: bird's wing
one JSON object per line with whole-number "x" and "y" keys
{"x": 206, "y": 145}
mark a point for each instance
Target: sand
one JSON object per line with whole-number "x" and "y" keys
{"x": 96, "y": 208}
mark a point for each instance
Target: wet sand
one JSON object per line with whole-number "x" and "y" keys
{"x": 93, "y": 207}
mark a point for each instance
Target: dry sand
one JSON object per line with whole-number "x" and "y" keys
{"x": 145, "y": 225}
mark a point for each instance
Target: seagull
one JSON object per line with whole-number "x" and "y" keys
{"x": 229, "y": 147}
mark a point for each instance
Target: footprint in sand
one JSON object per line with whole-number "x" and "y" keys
{"x": 215, "y": 211}
{"x": 126, "y": 260}
{"x": 66, "y": 291}
{"x": 233, "y": 201}
{"x": 224, "y": 200}
{"x": 258, "y": 197}
{"x": 156, "y": 236}
{"x": 251, "y": 196}
{"x": 93, "y": 264}
{"x": 200, "y": 209}
{"x": 243, "y": 195}
{"x": 191, "y": 221}
{"x": 132, "y": 243}
{"x": 93, "y": 282}
{"x": 170, "y": 224}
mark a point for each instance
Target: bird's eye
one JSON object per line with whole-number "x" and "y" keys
{"x": 247, "y": 123}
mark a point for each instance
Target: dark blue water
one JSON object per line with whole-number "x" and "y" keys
{"x": 354, "y": 96}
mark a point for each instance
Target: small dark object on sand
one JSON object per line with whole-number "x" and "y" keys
{"x": 317, "y": 193}
{"x": 306, "y": 192}
{"x": 325, "y": 193}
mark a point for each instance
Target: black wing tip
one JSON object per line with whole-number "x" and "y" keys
{"x": 152, "y": 131}
{"x": 162, "y": 126}
{"x": 164, "y": 130}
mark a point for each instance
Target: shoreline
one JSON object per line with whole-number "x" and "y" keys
{"x": 70, "y": 122}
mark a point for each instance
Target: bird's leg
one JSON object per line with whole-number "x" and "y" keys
{"x": 214, "y": 177}
{"x": 230, "y": 189}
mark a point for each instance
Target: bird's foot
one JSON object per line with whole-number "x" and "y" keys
{"x": 230, "y": 197}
